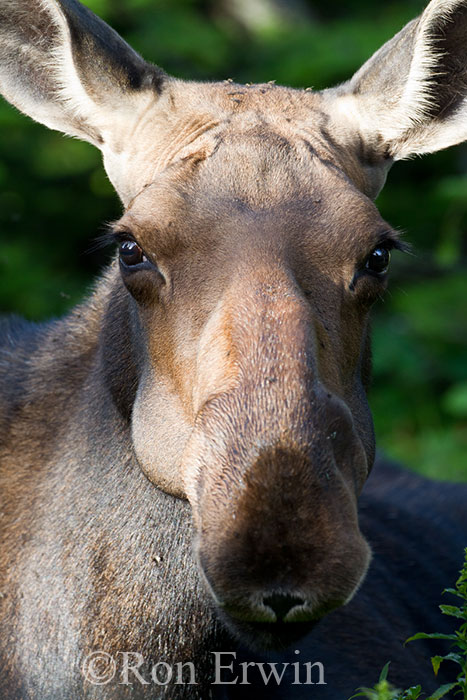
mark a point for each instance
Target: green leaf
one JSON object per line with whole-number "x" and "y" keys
{"x": 412, "y": 693}
{"x": 432, "y": 635}
{"x": 442, "y": 691}
{"x": 364, "y": 692}
{"x": 384, "y": 672}
{"x": 436, "y": 663}
{"x": 452, "y": 591}
{"x": 453, "y": 611}
{"x": 456, "y": 658}
{"x": 461, "y": 643}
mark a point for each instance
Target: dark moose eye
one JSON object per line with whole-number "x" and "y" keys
{"x": 378, "y": 261}
{"x": 131, "y": 254}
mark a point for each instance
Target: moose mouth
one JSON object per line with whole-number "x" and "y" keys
{"x": 289, "y": 626}
{"x": 268, "y": 636}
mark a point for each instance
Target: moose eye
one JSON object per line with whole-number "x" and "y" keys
{"x": 378, "y": 261}
{"x": 131, "y": 254}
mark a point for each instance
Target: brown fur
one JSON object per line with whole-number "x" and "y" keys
{"x": 231, "y": 372}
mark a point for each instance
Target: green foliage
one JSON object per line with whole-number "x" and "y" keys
{"x": 383, "y": 689}
{"x": 458, "y": 638}
{"x": 55, "y": 197}
{"x": 420, "y": 396}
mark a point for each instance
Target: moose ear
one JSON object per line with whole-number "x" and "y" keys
{"x": 411, "y": 96}
{"x": 63, "y": 66}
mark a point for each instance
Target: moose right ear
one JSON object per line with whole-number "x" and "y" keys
{"x": 411, "y": 96}
{"x": 66, "y": 68}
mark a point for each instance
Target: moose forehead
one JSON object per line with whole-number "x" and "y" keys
{"x": 260, "y": 169}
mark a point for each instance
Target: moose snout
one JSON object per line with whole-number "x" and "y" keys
{"x": 289, "y": 551}
{"x": 278, "y": 541}
{"x": 273, "y": 470}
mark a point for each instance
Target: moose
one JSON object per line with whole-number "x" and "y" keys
{"x": 182, "y": 456}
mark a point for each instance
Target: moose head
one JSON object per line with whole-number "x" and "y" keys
{"x": 249, "y": 255}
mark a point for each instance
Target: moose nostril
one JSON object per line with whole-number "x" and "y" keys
{"x": 282, "y": 603}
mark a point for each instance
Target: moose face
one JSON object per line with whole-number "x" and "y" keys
{"x": 250, "y": 254}
{"x": 253, "y": 263}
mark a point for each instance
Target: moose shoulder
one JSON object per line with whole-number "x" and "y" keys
{"x": 181, "y": 457}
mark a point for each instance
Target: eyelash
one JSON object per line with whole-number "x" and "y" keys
{"x": 111, "y": 239}
{"x": 388, "y": 244}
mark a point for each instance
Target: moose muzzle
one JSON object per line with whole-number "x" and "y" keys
{"x": 273, "y": 470}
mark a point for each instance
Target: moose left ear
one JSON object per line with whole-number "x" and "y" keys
{"x": 411, "y": 96}
{"x": 66, "y": 68}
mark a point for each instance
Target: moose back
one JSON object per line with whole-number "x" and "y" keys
{"x": 182, "y": 455}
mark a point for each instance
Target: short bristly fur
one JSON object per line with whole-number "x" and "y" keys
{"x": 182, "y": 456}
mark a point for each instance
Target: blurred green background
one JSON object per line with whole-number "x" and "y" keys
{"x": 54, "y": 198}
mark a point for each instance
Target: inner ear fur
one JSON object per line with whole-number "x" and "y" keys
{"x": 68, "y": 69}
{"x": 410, "y": 97}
